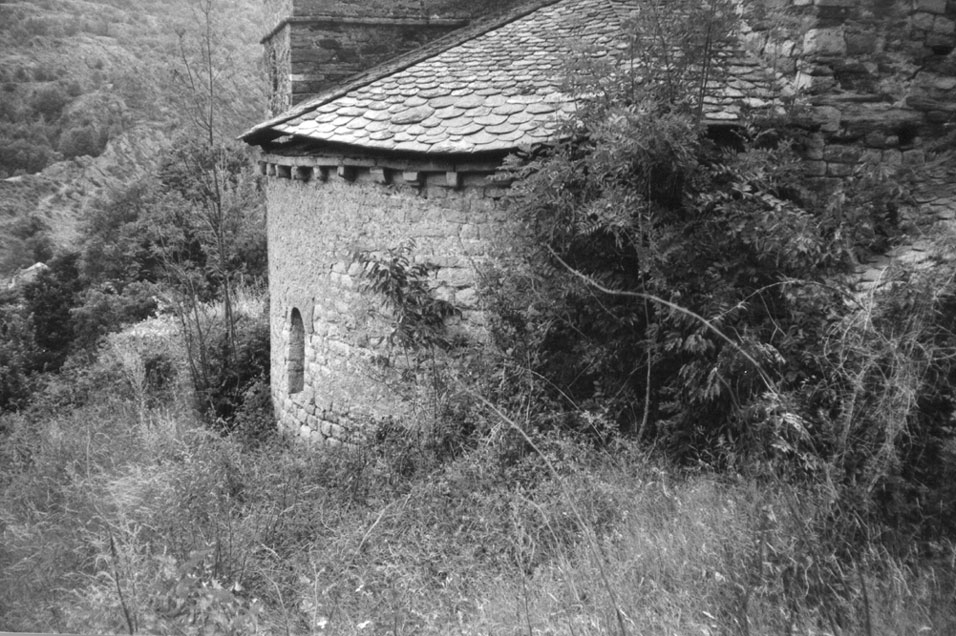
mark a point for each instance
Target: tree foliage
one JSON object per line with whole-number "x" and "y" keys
{"x": 684, "y": 283}
{"x": 417, "y": 315}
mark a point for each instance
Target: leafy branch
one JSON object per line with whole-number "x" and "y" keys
{"x": 418, "y": 317}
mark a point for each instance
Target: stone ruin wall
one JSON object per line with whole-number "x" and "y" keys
{"x": 875, "y": 84}
{"x": 318, "y": 218}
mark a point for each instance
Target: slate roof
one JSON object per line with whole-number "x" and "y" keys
{"x": 496, "y": 87}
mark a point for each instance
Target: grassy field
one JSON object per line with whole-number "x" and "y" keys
{"x": 121, "y": 513}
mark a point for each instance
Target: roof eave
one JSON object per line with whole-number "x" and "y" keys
{"x": 298, "y": 145}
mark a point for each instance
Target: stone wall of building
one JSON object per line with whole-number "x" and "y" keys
{"x": 874, "y": 84}
{"x": 278, "y": 52}
{"x": 875, "y": 79}
{"x": 318, "y": 220}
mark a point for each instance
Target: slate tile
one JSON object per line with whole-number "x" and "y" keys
{"x": 351, "y": 111}
{"x": 481, "y": 138}
{"x": 490, "y": 119}
{"x": 520, "y": 117}
{"x": 501, "y": 89}
{"x": 440, "y": 102}
{"x": 502, "y": 129}
{"x": 379, "y": 115}
{"x": 432, "y": 93}
{"x": 469, "y": 101}
{"x": 466, "y": 128}
{"x": 541, "y": 108}
{"x": 412, "y": 115}
{"x": 375, "y": 126}
{"x": 448, "y": 112}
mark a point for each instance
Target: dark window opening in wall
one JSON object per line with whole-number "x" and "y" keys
{"x": 296, "y": 360}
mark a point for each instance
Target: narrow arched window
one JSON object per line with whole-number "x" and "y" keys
{"x": 295, "y": 363}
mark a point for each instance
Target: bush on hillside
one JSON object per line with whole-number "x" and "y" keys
{"x": 105, "y": 308}
{"x": 118, "y": 244}
{"x": 19, "y": 355}
{"x": 688, "y": 287}
{"x": 49, "y": 101}
{"x": 226, "y": 374}
{"x": 48, "y": 300}
{"x": 82, "y": 141}
{"x": 22, "y": 156}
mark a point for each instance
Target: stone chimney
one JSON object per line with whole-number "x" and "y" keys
{"x": 315, "y": 44}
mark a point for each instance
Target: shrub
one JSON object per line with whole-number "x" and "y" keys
{"x": 225, "y": 365}
{"x": 254, "y": 420}
{"x": 84, "y": 140}
{"x": 48, "y": 300}
{"x": 19, "y": 356}
{"x": 18, "y": 156}
{"x": 118, "y": 244}
{"x": 49, "y": 101}
{"x": 103, "y": 308}
{"x": 889, "y": 392}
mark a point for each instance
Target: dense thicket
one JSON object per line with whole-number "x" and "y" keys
{"x": 686, "y": 286}
{"x": 183, "y": 238}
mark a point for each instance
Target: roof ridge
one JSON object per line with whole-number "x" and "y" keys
{"x": 398, "y": 64}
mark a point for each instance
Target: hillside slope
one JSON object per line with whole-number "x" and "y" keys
{"x": 92, "y": 90}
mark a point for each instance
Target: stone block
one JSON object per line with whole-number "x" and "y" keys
{"x": 914, "y": 157}
{"x": 469, "y": 231}
{"x": 875, "y": 139}
{"x": 892, "y": 158}
{"x": 841, "y": 154}
{"x": 871, "y": 157}
{"x": 466, "y": 298}
{"x": 923, "y": 21}
{"x": 931, "y": 6}
{"x": 828, "y": 41}
{"x": 829, "y": 118}
{"x": 839, "y": 169}
{"x": 937, "y": 41}
{"x": 944, "y": 26}
{"x": 815, "y": 168}
{"x": 862, "y": 43}
{"x": 815, "y": 141}
{"x": 944, "y": 83}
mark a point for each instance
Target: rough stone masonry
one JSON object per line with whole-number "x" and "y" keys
{"x": 405, "y": 152}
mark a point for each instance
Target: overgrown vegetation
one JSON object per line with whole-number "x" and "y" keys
{"x": 684, "y": 422}
{"x": 157, "y": 525}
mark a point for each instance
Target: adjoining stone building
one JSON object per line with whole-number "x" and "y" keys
{"x": 314, "y": 44}
{"x": 405, "y": 153}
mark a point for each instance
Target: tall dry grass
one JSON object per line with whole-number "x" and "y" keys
{"x": 120, "y": 512}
